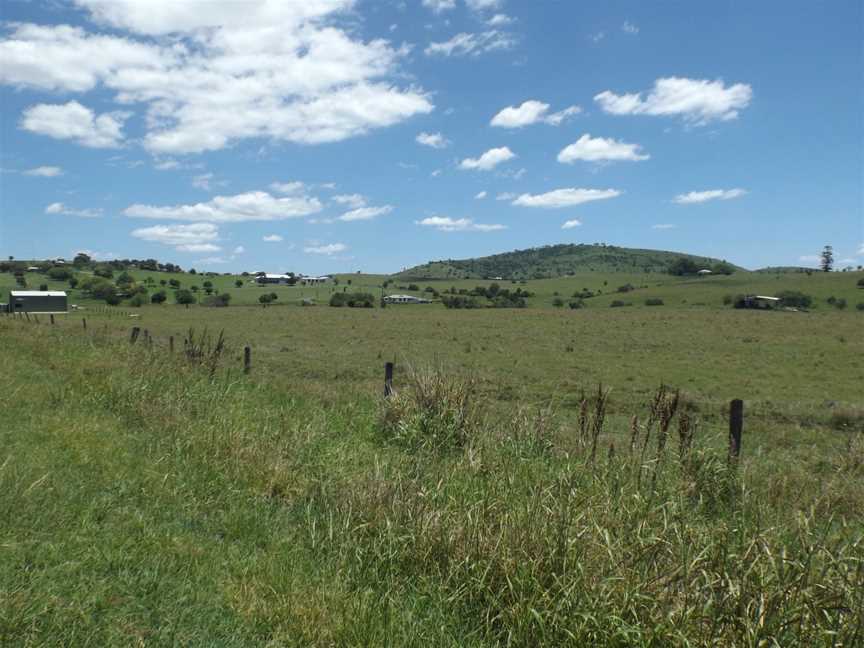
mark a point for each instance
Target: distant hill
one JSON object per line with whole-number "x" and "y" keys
{"x": 552, "y": 261}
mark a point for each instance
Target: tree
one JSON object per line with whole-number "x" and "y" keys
{"x": 218, "y": 301}
{"x": 73, "y": 281}
{"x": 827, "y": 259}
{"x": 158, "y": 297}
{"x": 265, "y": 299}
{"x": 239, "y": 283}
{"x": 184, "y": 297}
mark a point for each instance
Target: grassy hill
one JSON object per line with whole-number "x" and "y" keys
{"x": 552, "y": 261}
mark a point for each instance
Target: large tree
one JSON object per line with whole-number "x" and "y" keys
{"x": 827, "y": 260}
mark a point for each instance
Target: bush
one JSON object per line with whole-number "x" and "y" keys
{"x": 728, "y": 299}
{"x": 112, "y": 299}
{"x": 217, "y": 301}
{"x": 576, "y": 304}
{"x": 238, "y": 283}
{"x": 840, "y": 303}
{"x": 625, "y": 288}
{"x": 861, "y": 283}
{"x": 794, "y": 299}
{"x": 618, "y": 304}
{"x": 558, "y": 302}
{"x": 859, "y": 306}
{"x": 138, "y": 300}
{"x": 59, "y": 274}
{"x": 847, "y": 418}
{"x": 683, "y": 266}
{"x": 265, "y": 299}
{"x": 158, "y": 297}
{"x": 653, "y": 301}
{"x": 414, "y": 287}
{"x": 43, "y": 287}
{"x": 460, "y": 301}
{"x": 352, "y": 300}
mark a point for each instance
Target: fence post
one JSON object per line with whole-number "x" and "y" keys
{"x": 247, "y": 359}
{"x": 736, "y": 426}
{"x": 171, "y": 344}
{"x": 52, "y": 319}
{"x": 133, "y": 337}
{"x": 84, "y": 322}
{"x": 388, "y": 379}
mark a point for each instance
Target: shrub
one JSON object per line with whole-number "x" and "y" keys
{"x": 794, "y": 299}
{"x": 112, "y": 299}
{"x": 43, "y": 287}
{"x": 460, "y": 301}
{"x": 414, "y": 287}
{"x": 238, "y": 283}
{"x": 617, "y": 304}
{"x": 847, "y": 418}
{"x": 158, "y": 297}
{"x": 861, "y": 283}
{"x": 431, "y": 410}
{"x": 184, "y": 297}
{"x": 576, "y": 304}
{"x": 59, "y": 274}
{"x": 558, "y": 302}
{"x": 265, "y": 299}
{"x": 727, "y": 299}
{"x": 683, "y": 266}
{"x": 860, "y": 306}
{"x": 653, "y": 301}
{"x": 625, "y": 288}
{"x": 840, "y": 303}
{"x": 138, "y": 300}
{"x": 217, "y": 301}
{"x": 352, "y": 300}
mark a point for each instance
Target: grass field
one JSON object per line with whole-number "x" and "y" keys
{"x": 151, "y": 500}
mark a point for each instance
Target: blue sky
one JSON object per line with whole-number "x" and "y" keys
{"x": 339, "y": 135}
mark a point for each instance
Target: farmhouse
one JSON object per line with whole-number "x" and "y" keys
{"x": 704, "y": 271}
{"x": 313, "y": 281}
{"x": 278, "y": 279}
{"x": 37, "y": 301}
{"x": 405, "y": 299}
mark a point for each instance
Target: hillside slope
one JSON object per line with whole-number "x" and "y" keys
{"x": 552, "y": 261}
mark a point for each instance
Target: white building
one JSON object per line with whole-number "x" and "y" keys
{"x": 405, "y": 299}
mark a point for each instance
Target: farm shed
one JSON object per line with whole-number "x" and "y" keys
{"x": 37, "y": 301}
{"x": 758, "y": 301}
{"x": 278, "y": 279}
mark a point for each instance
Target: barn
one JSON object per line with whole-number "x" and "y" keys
{"x": 37, "y": 301}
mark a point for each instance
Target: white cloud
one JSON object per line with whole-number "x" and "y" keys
{"x": 570, "y": 224}
{"x": 663, "y": 226}
{"x": 435, "y": 140}
{"x": 696, "y": 100}
{"x": 597, "y": 36}
{"x": 861, "y": 249}
{"x": 507, "y": 195}
{"x": 810, "y": 258}
{"x": 599, "y": 149}
{"x": 60, "y": 208}
{"x": 439, "y": 5}
{"x": 481, "y": 195}
{"x": 288, "y": 188}
{"x": 238, "y": 250}
{"x": 483, "y": 5}
{"x": 287, "y": 71}
{"x": 472, "y": 44}
{"x": 45, "y": 172}
{"x": 250, "y": 206}
{"x": 447, "y": 224}
{"x": 76, "y": 122}
{"x": 197, "y": 237}
{"x": 202, "y": 181}
{"x": 327, "y": 250}
{"x": 705, "y": 196}
{"x": 435, "y": 173}
{"x": 564, "y": 197}
{"x": 500, "y": 20}
{"x": 272, "y": 238}
{"x": 365, "y": 213}
{"x": 96, "y": 255}
{"x": 531, "y": 112}
{"x": 489, "y": 160}
{"x": 629, "y": 28}
{"x": 354, "y": 201}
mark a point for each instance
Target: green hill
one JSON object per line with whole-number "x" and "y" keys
{"x": 553, "y": 261}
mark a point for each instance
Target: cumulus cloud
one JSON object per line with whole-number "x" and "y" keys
{"x": 570, "y": 224}
{"x": 288, "y": 188}
{"x": 365, "y": 213}
{"x": 499, "y": 20}
{"x": 629, "y": 28}
{"x": 354, "y": 201}
{"x": 202, "y": 181}
{"x": 711, "y": 194}
{"x": 663, "y": 226}
{"x": 75, "y": 122}
{"x": 435, "y": 140}
{"x": 287, "y": 71}
{"x": 698, "y": 101}
{"x": 483, "y": 5}
{"x": 197, "y": 237}
{"x": 238, "y": 250}
{"x": 481, "y": 195}
{"x": 250, "y": 206}
{"x": 326, "y": 250}
{"x": 60, "y": 208}
{"x": 599, "y": 149}
{"x": 568, "y": 197}
{"x": 489, "y": 160}
{"x": 472, "y": 44}
{"x": 531, "y": 112}
{"x": 45, "y": 172}
{"x": 272, "y": 238}
{"x": 447, "y": 224}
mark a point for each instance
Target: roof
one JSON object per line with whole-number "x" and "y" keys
{"x": 267, "y": 275}
{"x": 768, "y": 298}
{"x": 37, "y": 293}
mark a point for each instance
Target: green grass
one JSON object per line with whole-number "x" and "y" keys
{"x": 145, "y": 501}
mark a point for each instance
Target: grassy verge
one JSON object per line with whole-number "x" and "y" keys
{"x": 147, "y": 500}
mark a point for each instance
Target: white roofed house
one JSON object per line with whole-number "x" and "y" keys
{"x": 277, "y": 279}
{"x": 405, "y": 299}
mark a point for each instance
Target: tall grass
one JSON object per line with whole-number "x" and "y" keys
{"x": 149, "y": 499}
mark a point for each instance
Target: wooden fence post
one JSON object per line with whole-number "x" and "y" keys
{"x": 171, "y": 344}
{"x": 388, "y": 379}
{"x": 84, "y": 322}
{"x": 133, "y": 337}
{"x": 736, "y": 426}
{"x": 247, "y": 359}
{"x": 52, "y": 319}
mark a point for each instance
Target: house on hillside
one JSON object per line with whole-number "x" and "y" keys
{"x": 314, "y": 281}
{"x": 405, "y": 299}
{"x": 704, "y": 271}
{"x": 37, "y": 301}
{"x": 264, "y": 278}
